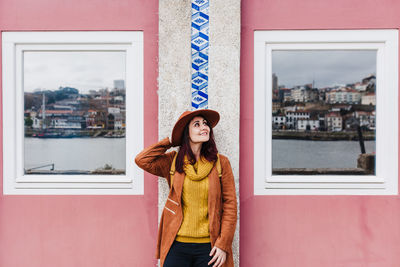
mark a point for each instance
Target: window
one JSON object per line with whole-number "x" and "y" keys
{"x": 326, "y": 64}
{"x": 72, "y": 112}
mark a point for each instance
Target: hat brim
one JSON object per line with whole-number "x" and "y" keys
{"x": 210, "y": 115}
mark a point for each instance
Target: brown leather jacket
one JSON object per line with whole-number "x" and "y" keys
{"x": 222, "y": 207}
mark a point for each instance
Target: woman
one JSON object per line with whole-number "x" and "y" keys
{"x": 199, "y": 218}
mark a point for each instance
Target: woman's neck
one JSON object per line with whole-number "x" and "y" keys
{"x": 196, "y": 149}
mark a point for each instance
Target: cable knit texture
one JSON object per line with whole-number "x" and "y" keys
{"x": 195, "y": 224}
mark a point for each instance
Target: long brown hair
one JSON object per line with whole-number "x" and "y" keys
{"x": 208, "y": 149}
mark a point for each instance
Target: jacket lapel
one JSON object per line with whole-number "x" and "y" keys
{"x": 212, "y": 193}
{"x": 178, "y": 184}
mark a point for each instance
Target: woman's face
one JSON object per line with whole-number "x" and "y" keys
{"x": 199, "y": 131}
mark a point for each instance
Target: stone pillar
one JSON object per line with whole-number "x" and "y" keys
{"x": 224, "y": 86}
{"x": 175, "y": 76}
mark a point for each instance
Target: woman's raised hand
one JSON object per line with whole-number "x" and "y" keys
{"x": 219, "y": 257}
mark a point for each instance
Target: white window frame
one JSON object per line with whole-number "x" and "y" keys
{"x": 13, "y": 46}
{"x": 385, "y": 180}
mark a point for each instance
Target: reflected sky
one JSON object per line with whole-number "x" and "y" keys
{"x": 325, "y": 67}
{"x": 84, "y": 70}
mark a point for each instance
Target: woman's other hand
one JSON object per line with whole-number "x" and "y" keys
{"x": 219, "y": 257}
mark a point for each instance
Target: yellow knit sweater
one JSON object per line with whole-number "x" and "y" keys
{"x": 195, "y": 225}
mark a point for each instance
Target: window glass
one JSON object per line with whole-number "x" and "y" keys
{"x": 74, "y": 112}
{"x": 333, "y": 93}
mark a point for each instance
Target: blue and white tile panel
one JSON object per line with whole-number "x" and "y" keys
{"x": 200, "y": 34}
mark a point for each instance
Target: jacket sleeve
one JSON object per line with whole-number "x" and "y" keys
{"x": 154, "y": 160}
{"x": 229, "y": 207}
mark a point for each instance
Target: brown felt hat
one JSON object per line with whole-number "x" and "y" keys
{"x": 210, "y": 115}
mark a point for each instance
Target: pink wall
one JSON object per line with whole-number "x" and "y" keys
{"x": 291, "y": 231}
{"x": 308, "y": 231}
{"x": 65, "y": 231}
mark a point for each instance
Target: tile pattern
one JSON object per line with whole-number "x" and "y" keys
{"x": 199, "y": 43}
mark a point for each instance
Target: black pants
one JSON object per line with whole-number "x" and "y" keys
{"x": 188, "y": 255}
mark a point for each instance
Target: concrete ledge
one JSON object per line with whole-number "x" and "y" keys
{"x": 366, "y": 162}
{"x": 320, "y": 171}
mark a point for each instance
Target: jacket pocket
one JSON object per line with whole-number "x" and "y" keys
{"x": 176, "y": 203}
{"x": 173, "y": 212}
